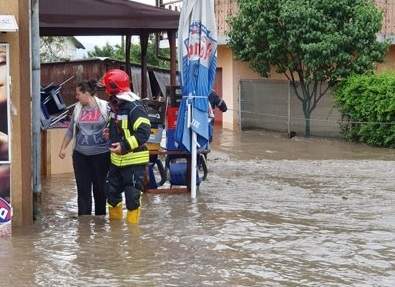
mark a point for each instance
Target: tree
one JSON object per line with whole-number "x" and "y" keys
{"x": 114, "y": 52}
{"x": 117, "y": 52}
{"x": 314, "y": 43}
{"x": 51, "y": 49}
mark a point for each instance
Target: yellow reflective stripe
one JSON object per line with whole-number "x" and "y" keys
{"x": 127, "y": 133}
{"x": 132, "y": 155}
{"x": 132, "y": 142}
{"x": 128, "y": 163}
{"x": 130, "y": 158}
{"x": 131, "y": 139}
{"x": 140, "y": 121}
{"x": 124, "y": 125}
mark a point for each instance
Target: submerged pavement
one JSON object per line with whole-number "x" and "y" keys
{"x": 273, "y": 212}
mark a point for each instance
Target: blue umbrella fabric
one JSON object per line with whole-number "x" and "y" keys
{"x": 197, "y": 55}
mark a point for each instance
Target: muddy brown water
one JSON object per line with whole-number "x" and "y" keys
{"x": 273, "y": 212}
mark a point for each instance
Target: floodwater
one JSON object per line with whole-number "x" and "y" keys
{"x": 273, "y": 212}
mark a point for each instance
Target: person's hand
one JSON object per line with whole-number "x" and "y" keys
{"x": 62, "y": 154}
{"x": 106, "y": 134}
{"x": 116, "y": 148}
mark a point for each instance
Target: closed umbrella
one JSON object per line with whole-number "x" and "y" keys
{"x": 197, "y": 58}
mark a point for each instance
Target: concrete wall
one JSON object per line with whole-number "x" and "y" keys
{"x": 241, "y": 71}
{"x": 324, "y": 119}
{"x": 21, "y": 179}
{"x": 233, "y": 71}
{"x": 264, "y": 104}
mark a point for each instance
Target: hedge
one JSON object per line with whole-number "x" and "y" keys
{"x": 367, "y": 103}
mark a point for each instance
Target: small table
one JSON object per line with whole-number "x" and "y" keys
{"x": 178, "y": 154}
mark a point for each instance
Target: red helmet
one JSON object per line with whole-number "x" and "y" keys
{"x": 116, "y": 81}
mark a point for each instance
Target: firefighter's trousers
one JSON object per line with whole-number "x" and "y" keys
{"x": 128, "y": 179}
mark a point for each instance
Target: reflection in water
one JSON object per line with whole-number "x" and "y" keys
{"x": 279, "y": 218}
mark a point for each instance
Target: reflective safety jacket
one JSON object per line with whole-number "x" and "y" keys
{"x": 130, "y": 127}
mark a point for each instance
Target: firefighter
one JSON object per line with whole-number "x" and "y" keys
{"x": 129, "y": 129}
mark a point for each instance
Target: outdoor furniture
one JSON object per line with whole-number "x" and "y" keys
{"x": 180, "y": 155}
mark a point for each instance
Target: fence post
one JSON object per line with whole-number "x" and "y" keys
{"x": 289, "y": 108}
{"x": 239, "y": 104}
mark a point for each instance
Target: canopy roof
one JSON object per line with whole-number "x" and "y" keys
{"x": 103, "y": 17}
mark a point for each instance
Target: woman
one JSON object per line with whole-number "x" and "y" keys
{"x": 91, "y": 157}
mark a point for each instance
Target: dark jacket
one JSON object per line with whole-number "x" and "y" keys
{"x": 130, "y": 127}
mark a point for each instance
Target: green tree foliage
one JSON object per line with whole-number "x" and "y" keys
{"x": 314, "y": 43}
{"x": 117, "y": 52}
{"x": 367, "y": 103}
{"x": 108, "y": 51}
{"x": 51, "y": 49}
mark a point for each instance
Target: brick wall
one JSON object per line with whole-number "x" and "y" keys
{"x": 226, "y": 8}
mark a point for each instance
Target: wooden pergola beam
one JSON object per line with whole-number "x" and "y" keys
{"x": 173, "y": 57}
{"x": 127, "y": 54}
{"x": 144, "y": 70}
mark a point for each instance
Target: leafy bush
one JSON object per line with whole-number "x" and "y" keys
{"x": 367, "y": 103}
